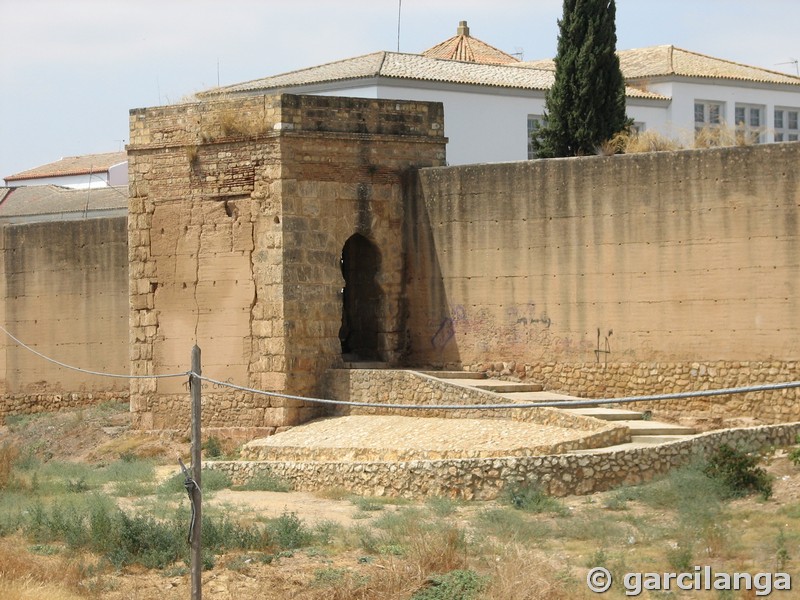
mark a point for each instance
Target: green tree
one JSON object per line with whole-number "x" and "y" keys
{"x": 586, "y": 105}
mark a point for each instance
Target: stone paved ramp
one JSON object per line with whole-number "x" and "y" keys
{"x": 394, "y": 437}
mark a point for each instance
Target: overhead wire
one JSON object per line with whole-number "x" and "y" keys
{"x": 547, "y": 403}
{"x": 88, "y": 371}
{"x": 551, "y": 403}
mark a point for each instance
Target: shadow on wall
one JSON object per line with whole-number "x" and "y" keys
{"x": 432, "y": 322}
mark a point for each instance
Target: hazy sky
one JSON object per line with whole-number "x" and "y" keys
{"x": 70, "y": 70}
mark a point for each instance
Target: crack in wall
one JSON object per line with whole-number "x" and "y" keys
{"x": 197, "y": 279}
{"x": 254, "y": 300}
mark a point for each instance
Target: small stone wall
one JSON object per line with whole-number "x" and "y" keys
{"x": 485, "y": 478}
{"x": 612, "y": 380}
{"x": 383, "y": 386}
{"x": 26, "y": 404}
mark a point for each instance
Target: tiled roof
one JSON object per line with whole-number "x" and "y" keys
{"x": 466, "y": 48}
{"x": 399, "y": 66}
{"x": 30, "y": 202}
{"x": 414, "y": 67}
{"x": 73, "y": 165}
{"x": 665, "y": 61}
{"x": 656, "y": 61}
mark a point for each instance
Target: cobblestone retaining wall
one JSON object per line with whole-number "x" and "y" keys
{"x": 409, "y": 387}
{"x": 593, "y": 380}
{"x": 484, "y": 479}
{"x": 27, "y": 404}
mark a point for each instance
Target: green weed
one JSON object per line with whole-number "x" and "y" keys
{"x": 289, "y": 531}
{"x": 531, "y": 498}
{"x": 461, "y": 584}
{"x": 264, "y": 482}
{"x": 738, "y": 472}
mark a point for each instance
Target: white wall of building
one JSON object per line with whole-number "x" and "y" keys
{"x": 118, "y": 174}
{"x": 480, "y": 124}
{"x": 115, "y": 176}
{"x": 680, "y": 114}
{"x": 485, "y": 124}
{"x": 78, "y": 182}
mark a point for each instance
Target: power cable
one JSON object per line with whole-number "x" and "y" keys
{"x": 87, "y": 371}
{"x": 548, "y": 403}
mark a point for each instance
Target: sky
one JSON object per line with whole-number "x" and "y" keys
{"x": 70, "y": 70}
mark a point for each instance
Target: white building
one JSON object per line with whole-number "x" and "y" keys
{"x": 77, "y": 172}
{"x": 492, "y": 100}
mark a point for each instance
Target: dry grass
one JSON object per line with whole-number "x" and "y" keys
{"x": 632, "y": 142}
{"x": 723, "y": 135}
{"x": 523, "y": 574}
{"x": 8, "y": 457}
{"x": 27, "y": 576}
{"x": 430, "y": 551}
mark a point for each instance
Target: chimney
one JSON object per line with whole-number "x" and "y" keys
{"x": 462, "y": 28}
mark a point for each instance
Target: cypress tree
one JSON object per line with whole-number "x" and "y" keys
{"x": 586, "y": 105}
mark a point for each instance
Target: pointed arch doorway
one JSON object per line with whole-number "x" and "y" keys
{"x": 362, "y": 299}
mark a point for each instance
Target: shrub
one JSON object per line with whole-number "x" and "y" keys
{"x": 531, "y": 498}
{"x": 213, "y": 448}
{"x": 738, "y": 472}
{"x": 461, "y": 584}
{"x": 510, "y": 525}
{"x": 289, "y": 531}
{"x": 213, "y": 480}
{"x": 794, "y": 456}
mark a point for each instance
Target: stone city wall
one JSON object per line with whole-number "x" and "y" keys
{"x": 664, "y": 257}
{"x": 485, "y": 479}
{"x": 239, "y": 212}
{"x": 63, "y": 292}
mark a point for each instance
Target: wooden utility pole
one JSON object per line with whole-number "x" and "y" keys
{"x": 195, "y": 495}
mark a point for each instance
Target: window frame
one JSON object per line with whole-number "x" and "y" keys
{"x": 788, "y": 130}
{"x": 535, "y": 121}
{"x": 752, "y": 129}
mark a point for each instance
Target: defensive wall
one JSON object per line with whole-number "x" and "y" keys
{"x": 611, "y": 276}
{"x": 287, "y": 234}
{"x": 63, "y": 291}
{"x": 268, "y": 230}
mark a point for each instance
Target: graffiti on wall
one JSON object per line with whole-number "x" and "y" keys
{"x": 519, "y": 324}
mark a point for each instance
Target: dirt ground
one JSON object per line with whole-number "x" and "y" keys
{"x": 103, "y": 435}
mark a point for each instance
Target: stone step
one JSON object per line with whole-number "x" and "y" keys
{"x": 606, "y": 414}
{"x": 657, "y": 439}
{"x": 655, "y": 428}
{"x": 626, "y": 446}
{"x": 505, "y": 387}
{"x": 366, "y": 364}
{"x": 454, "y": 374}
{"x": 538, "y": 396}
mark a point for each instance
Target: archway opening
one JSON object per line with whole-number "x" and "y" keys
{"x": 361, "y": 299}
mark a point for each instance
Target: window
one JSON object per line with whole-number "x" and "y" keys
{"x": 534, "y": 123}
{"x": 786, "y": 124}
{"x": 749, "y": 119}
{"x": 708, "y": 116}
{"x": 707, "y": 113}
